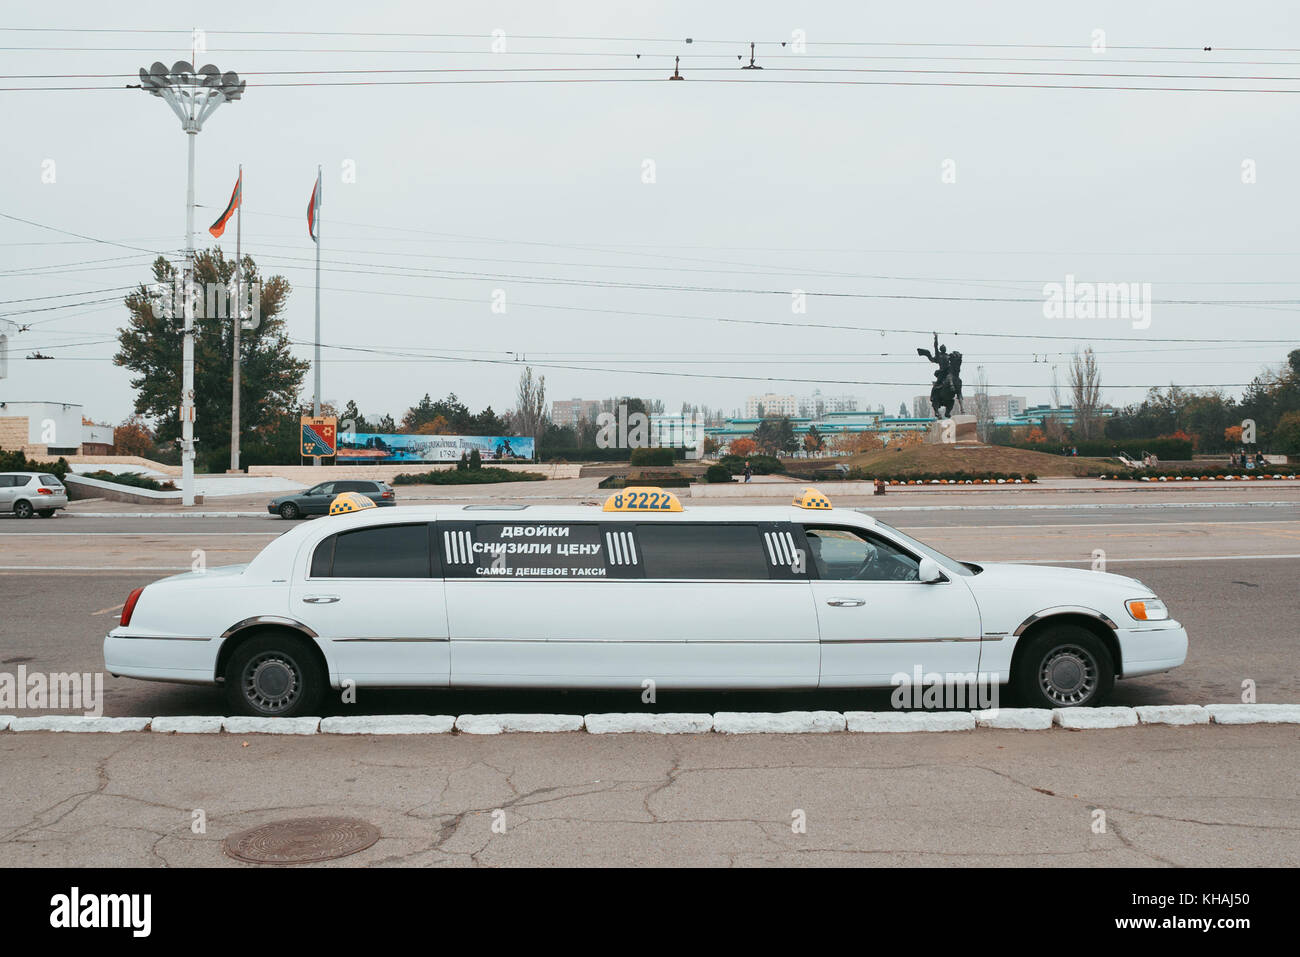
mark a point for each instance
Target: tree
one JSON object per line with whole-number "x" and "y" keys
{"x": 438, "y": 425}
{"x": 1036, "y": 436}
{"x": 1085, "y": 392}
{"x": 855, "y": 443}
{"x": 1286, "y": 437}
{"x": 530, "y": 404}
{"x": 813, "y": 441}
{"x": 352, "y": 417}
{"x": 742, "y": 447}
{"x": 133, "y": 437}
{"x": 150, "y": 346}
{"x": 983, "y": 409}
{"x": 1232, "y": 435}
{"x": 905, "y": 440}
{"x": 774, "y": 436}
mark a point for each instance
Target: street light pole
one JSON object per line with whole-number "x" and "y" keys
{"x": 193, "y": 96}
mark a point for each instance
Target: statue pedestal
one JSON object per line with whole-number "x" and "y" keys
{"x": 959, "y": 430}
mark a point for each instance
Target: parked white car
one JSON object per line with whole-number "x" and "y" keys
{"x": 803, "y": 596}
{"x": 31, "y": 493}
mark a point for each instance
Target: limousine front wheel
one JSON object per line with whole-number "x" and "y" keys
{"x": 274, "y": 676}
{"x": 1066, "y": 666}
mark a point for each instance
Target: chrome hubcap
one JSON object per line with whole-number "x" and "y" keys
{"x": 271, "y": 683}
{"x": 1068, "y": 675}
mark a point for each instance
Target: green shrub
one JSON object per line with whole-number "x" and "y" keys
{"x": 475, "y": 460}
{"x": 652, "y": 456}
{"x": 760, "y": 464}
{"x": 470, "y": 476}
{"x": 17, "y": 462}
{"x": 132, "y": 479}
{"x": 717, "y": 473}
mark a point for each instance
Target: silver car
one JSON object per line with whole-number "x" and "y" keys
{"x": 31, "y": 493}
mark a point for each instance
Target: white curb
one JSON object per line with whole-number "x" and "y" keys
{"x": 1017, "y": 719}
{"x": 502, "y": 723}
{"x": 71, "y": 722}
{"x": 902, "y": 721}
{"x": 248, "y": 725}
{"x": 785, "y": 722}
{"x": 1090, "y": 718}
{"x": 4, "y": 721}
{"x": 1254, "y": 713}
{"x": 389, "y": 724}
{"x": 635, "y": 723}
{"x": 1172, "y": 714}
{"x": 187, "y": 724}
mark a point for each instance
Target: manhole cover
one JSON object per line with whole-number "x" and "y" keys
{"x": 304, "y": 840}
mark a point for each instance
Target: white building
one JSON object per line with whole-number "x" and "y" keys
{"x": 41, "y": 428}
{"x": 771, "y": 404}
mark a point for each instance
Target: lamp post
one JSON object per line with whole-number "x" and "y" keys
{"x": 193, "y": 95}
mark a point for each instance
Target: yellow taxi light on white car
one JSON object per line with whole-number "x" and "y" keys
{"x": 1147, "y": 609}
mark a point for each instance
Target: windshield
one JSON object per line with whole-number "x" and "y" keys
{"x": 949, "y": 564}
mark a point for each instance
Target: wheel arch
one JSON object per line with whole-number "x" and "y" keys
{"x": 240, "y": 632}
{"x": 1091, "y": 619}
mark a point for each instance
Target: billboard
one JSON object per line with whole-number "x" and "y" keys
{"x": 379, "y": 447}
{"x": 318, "y": 436}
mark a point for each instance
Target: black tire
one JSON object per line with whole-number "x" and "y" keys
{"x": 290, "y": 511}
{"x": 24, "y": 509}
{"x": 274, "y": 675}
{"x": 1064, "y": 666}
{"x": 46, "y": 513}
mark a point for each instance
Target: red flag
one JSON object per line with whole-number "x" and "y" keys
{"x": 313, "y": 208}
{"x": 219, "y": 227}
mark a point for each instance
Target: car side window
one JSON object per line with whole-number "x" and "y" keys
{"x": 7, "y": 481}
{"x": 385, "y": 551}
{"x": 692, "y": 551}
{"x": 843, "y": 554}
{"x": 50, "y": 481}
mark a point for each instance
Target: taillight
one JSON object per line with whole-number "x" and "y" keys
{"x": 388, "y": 493}
{"x": 44, "y": 491}
{"x": 129, "y": 608}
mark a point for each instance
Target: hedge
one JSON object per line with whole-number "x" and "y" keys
{"x": 18, "y": 462}
{"x": 484, "y": 476}
{"x": 131, "y": 479}
{"x": 760, "y": 464}
{"x": 1164, "y": 448}
{"x": 652, "y": 456}
{"x": 717, "y": 473}
{"x": 1211, "y": 475}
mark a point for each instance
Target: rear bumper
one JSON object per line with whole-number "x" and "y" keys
{"x": 192, "y": 661}
{"x": 45, "y": 503}
{"x": 1152, "y": 648}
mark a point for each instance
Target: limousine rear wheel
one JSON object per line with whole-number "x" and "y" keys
{"x": 274, "y": 675}
{"x": 1064, "y": 666}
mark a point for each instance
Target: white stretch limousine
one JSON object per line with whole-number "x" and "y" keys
{"x": 803, "y": 596}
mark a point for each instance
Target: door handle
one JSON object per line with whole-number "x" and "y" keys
{"x": 321, "y": 599}
{"x": 846, "y": 602}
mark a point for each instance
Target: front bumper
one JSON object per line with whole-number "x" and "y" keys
{"x": 1154, "y": 647}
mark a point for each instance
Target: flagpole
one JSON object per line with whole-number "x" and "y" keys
{"x": 316, "y": 399}
{"x": 239, "y": 321}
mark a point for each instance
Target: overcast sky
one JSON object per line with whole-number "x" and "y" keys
{"x": 759, "y": 185}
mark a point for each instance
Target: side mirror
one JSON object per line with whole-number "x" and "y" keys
{"x": 929, "y": 571}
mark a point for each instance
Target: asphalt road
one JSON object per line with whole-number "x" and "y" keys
{"x": 1210, "y": 796}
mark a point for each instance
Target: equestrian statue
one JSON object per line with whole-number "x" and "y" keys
{"x": 947, "y": 380}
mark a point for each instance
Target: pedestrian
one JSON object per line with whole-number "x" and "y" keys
{"x": 749, "y": 472}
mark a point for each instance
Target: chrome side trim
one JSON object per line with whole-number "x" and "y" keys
{"x": 391, "y": 639}
{"x": 1063, "y": 610}
{"x": 268, "y": 620}
{"x": 159, "y": 638}
{"x": 888, "y": 641}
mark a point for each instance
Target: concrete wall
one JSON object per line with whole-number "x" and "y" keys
{"x": 136, "y": 460}
{"x": 80, "y": 487}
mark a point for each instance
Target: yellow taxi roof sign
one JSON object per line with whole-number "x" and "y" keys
{"x": 349, "y": 502}
{"x": 811, "y": 498}
{"x": 642, "y": 498}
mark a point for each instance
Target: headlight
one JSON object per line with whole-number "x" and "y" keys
{"x": 1147, "y": 609}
